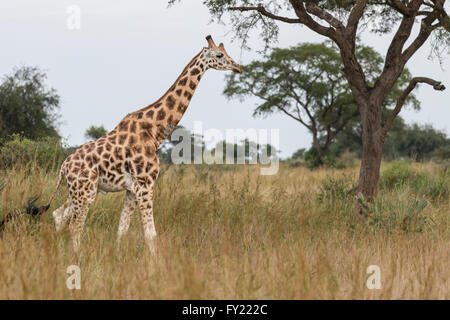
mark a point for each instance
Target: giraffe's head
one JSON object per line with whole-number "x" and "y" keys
{"x": 217, "y": 58}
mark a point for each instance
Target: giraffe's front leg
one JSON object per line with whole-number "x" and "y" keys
{"x": 144, "y": 196}
{"x": 129, "y": 207}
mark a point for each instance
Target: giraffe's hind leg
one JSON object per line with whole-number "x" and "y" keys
{"x": 79, "y": 210}
{"x": 129, "y": 207}
{"x": 62, "y": 215}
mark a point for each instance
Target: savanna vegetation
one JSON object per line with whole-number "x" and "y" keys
{"x": 228, "y": 232}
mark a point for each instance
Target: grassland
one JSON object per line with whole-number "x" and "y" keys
{"x": 230, "y": 233}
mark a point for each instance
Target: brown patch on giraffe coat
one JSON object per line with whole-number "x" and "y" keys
{"x": 157, "y": 105}
{"x": 108, "y": 147}
{"x": 179, "y": 92}
{"x": 122, "y": 138}
{"x": 123, "y": 125}
{"x": 112, "y": 139}
{"x": 195, "y": 71}
{"x": 170, "y": 101}
{"x": 192, "y": 85}
{"x": 181, "y": 107}
{"x": 183, "y": 81}
{"x": 128, "y": 153}
{"x": 149, "y": 114}
{"x": 131, "y": 141}
{"x": 118, "y": 153}
{"x": 161, "y": 115}
{"x": 100, "y": 150}
{"x": 139, "y": 115}
{"x": 188, "y": 95}
{"x": 137, "y": 148}
{"x": 133, "y": 127}
{"x": 146, "y": 126}
{"x": 144, "y": 135}
{"x": 148, "y": 152}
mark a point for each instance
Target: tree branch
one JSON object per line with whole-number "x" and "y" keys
{"x": 314, "y": 9}
{"x": 266, "y": 13}
{"x": 401, "y": 100}
{"x": 308, "y": 21}
{"x": 353, "y": 19}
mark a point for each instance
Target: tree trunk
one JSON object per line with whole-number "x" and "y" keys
{"x": 372, "y": 144}
{"x": 317, "y": 146}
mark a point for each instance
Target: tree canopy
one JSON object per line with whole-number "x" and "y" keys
{"x": 306, "y": 83}
{"x": 27, "y": 105}
{"x": 95, "y": 132}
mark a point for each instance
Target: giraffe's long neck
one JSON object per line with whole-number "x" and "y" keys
{"x": 158, "y": 120}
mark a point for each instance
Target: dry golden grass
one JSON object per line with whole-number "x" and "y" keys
{"x": 227, "y": 233}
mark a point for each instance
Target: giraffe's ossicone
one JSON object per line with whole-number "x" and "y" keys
{"x": 125, "y": 159}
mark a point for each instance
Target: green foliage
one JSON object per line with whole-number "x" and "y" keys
{"x": 48, "y": 153}
{"x": 27, "y": 106}
{"x": 416, "y": 142}
{"x": 401, "y": 175}
{"x": 400, "y": 214}
{"x": 393, "y": 210}
{"x": 337, "y": 191}
{"x": 379, "y": 17}
{"x": 95, "y": 132}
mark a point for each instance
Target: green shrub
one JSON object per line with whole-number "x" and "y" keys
{"x": 401, "y": 175}
{"x": 401, "y": 214}
{"x": 47, "y": 153}
{"x": 336, "y": 190}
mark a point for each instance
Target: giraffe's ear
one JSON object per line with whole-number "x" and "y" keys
{"x": 221, "y": 47}
{"x": 211, "y": 43}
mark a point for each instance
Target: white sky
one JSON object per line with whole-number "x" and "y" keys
{"x": 127, "y": 53}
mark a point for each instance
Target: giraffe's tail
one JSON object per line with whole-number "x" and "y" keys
{"x": 37, "y": 211}
{"x": 31, "y": 208}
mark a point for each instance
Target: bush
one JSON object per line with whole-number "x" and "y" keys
{"x": 47, "y": 153}
{"x": 400, "y": 214}
{"x": 336, "y": 190}
{"x": 400, "y": 175}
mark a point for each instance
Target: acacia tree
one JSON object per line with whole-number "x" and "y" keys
{"x": 339, "y": 20}
{"x": 306, "y": 83}
{"x": 95, "y": 132}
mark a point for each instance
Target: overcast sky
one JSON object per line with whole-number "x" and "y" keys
{"x": 127, "y": 53}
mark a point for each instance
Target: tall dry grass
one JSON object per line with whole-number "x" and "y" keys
{"x": 229, "y": 233}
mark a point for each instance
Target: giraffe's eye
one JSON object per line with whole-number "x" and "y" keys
{"x": 220, "y": 55}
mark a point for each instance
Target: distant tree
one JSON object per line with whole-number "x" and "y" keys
{"x": 306, "y": 83}
{"x": 165, "y": 150}
{"x": 402, "y": 141}
{"x": 416, "y": 142}
{"x": 300, "y": 153}
{"x": 27, "y": 105}
{"x": 246, "y": 150}
{"x": 95, "y": 132}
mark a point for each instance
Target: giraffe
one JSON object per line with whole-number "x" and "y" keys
{"x": 125, "y": 159}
